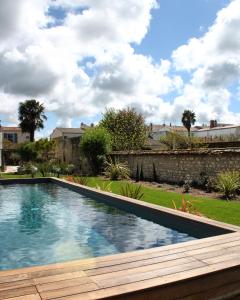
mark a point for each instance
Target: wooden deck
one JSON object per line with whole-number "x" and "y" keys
{"x": 202, "y": 269}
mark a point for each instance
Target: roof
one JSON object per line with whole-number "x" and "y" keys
{"x": 70, "y": 130}
{"x": 157, "y": 128}
{"x": 5, "y": 128}
{"x": 219, "y": 128}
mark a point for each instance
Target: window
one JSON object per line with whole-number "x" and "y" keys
{"x": 12, "y": 137}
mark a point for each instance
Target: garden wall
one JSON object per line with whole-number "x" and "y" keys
{"x": 176, "y": 166}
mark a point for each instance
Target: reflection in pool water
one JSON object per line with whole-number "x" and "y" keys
{"x": 45, "y": 223}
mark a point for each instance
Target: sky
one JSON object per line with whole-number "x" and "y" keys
{"x": 80, "y": 57}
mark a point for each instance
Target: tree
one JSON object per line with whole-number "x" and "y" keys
{"x": 31, "y": 116}
{"x": 126, "y": 127}
{"x": 28, "y": 152}
{"x": 188, "y": 119}
{"x": 95, "y": 145}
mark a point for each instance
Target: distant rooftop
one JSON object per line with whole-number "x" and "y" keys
{"x": 70, "y": 130}
{"x": 220, "y": 127}
{"x": 12, "y": 128}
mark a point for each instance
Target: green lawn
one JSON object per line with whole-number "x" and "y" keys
{"x": 221, "y": 210}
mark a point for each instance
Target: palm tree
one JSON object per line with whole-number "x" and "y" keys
{"x": 31, "y": 116}
{"x": 188, "y": 119}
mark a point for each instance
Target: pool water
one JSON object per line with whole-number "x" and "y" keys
{"x": 44, "y": 223}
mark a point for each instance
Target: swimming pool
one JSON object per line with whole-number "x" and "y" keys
{"x": 46, "y": 223}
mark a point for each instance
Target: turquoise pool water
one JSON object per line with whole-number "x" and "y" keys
{"x": 45, "y": 223}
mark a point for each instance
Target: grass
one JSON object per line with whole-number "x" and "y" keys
{"x": 217, "y": 209}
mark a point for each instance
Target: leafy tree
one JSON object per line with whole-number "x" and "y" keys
{"x": 28, "y": 152}
{"x": 95, "y": 145}
{"x": 37, "y": 151}
{"x": 44, "y": 148}
{"x": 31, "y": 116}
{"x": 126, "y": 127}
{"x": 188, "y": 119}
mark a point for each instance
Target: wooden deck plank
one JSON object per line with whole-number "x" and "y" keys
{"x": 60, "y": 277}
{"x": 10, "y": 293}
{"x": 27, "y": 297}
{"x": 16, "y": 284}
{"x": 63, "y": 284}
{"x": 134, "y": 276}
{"x": 68, "y": 291}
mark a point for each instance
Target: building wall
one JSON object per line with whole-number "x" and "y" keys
{"x": 218, "y": 132}
{"x": 21, "y": 137}
{"x": 176, "y": 166}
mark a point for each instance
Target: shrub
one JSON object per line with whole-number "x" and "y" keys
{"x": 78, "y": 179}
{"x": 56, "y": 170}
{"x": 188, "y": 207}
{"x": 27, "y": 169}
{"x": 28, "y": 152}
{"x": 105, "y": 186}
{"x": 44, "y": 168}
{"x": 70, "y": 169}
{"x": 126, "y": 127}
{"x": 132, "y": 191}
{"x": 117, "y": 170}
{"x": 141, "y": 174}
{"x": 137, "y": 178}
{"x": 95, "y": 145}
{"x": 155, "y": 178}
{"x": 228, "y": 183}
{"x": 175, "y": 140}
{"x": 15, "y": 158}
{"x": 187, "y": 185}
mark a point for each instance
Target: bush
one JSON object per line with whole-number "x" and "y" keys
{"x": 228, "y": 183}
{"x": 187, "y": 185}
{"x": 27, "y": 169}
{"x": 28, "y": 152}
{"x": 78, "y": 179}
{"x": 105, "y": 186}
{"x": 175, "y": 140}
{"x": 56, "y": 170}
{"x": 95, "y": 145}
{"x": 44, "y": 168}
{"x": 117, "y": 170}
{"x": 126, "y": 127}
{"x": 188, "y": 207}
{"x": 132, "y": 191}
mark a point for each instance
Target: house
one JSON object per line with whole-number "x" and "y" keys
{"x": 67, "y": 143}
{"x": 158, "y": 131}
{"x": 226, "y": 132}
{"x": 10, "y": 139}
{"x": 66, "y": 133}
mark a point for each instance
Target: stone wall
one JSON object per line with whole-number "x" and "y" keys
{"x": 176, "y": 166}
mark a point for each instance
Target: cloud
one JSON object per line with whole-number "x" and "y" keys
{"x": 213, "y": 64}
{"x": 86, "y": 62}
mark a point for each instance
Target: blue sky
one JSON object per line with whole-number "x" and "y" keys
{"x": 175, "y": 23}
{"x": 78, "y": 60}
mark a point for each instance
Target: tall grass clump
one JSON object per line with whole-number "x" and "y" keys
{"x": 117, "y": 170}
{"x": 132, "y": 191}
{"x": 228, "y": 183}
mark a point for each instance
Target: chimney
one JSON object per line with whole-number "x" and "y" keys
{"x": 213, "y": 123}
{"x": 151, "y": 127}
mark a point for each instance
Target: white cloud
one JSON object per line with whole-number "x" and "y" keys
{"x": 87, "y": 62}
{"x": 213, "y": 62}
